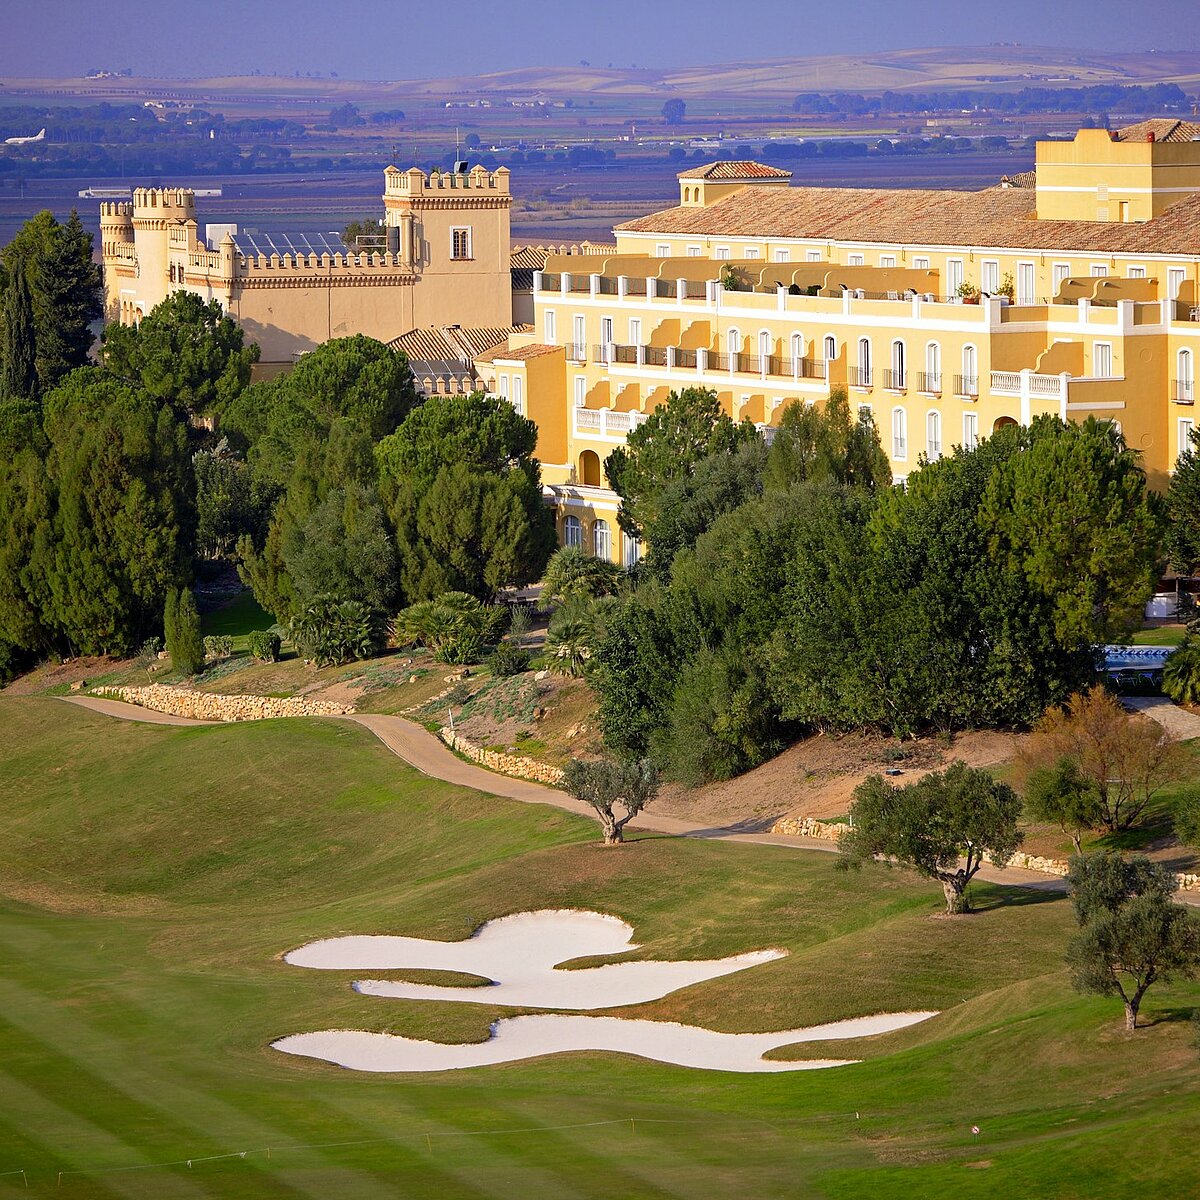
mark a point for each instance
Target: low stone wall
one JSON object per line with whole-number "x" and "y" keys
{"x": 808, "y": 827}
{"x": 505, "y": 764}
{"x": 208, "y": 706}
{"x": 1035, "y": 862}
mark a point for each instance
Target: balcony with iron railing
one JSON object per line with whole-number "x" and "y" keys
{"x": 929, "y": 382}
{"x": 895, "y": 381}
{"x": 966, "y": 385}
{"x": 576, "y": 352}
{"x": 860, "y": 377}
{"x": 1184, "y": 391}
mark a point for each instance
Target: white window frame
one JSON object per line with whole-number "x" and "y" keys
{"x": 954, "y": 275}
{"x": 503, "y": 384}
{"x": 572, "y": 531}
{"x": 856, "y": 260}
{"x": 1184, "y": 427}
{"x": 695, "y": 251}
{"x": 635, "y": 331}
{"x": 602, "y": 539}
{"x": 866, "y": 374}
{"x": 733, "y": 341}
{"x": 579, "y": 336}
{"x": 829, "y": 347}
{"x": 662, "y": 250}
{"x": 1099, "y": 270}
{"x": 970, "y": 431}
{"x": 970, "y": 353}
{"x": 1175, "y": 278}
{"x": 518, "y": 394}
{"x": 1102, "y": 360}
{"x": 467, "y": 234}
{"x": 580, "y": 391}
{"x": 887, "y": 260}
{"x": 550, "y": 323}
{"x": 1061, "y": 272}
{"x": 723, "y": 252}
{"x": 989, "y": 276}
{"x": 921, "y": 263}
{"x": 766, "y": 343}
{"x": 796, "y": 350}
{"x": 933, "y": 435}
{"x": 812, "y": 256}
{"x": 783, "y": 256}
{"x": 1135, "y": 272}
{"x": 751, "y": 252}
{"x": 1026, "y": 292}
{"x": 1185, "y": 376}
{"x": 899, "y": 433}
{"x": 899, "y": 364}
{"x": 933, "y": 367}
{"x": 631, "y": 551}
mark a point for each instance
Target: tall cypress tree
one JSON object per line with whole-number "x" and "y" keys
{"x": 18, "y": 344}
{"x": 69, "y": 288}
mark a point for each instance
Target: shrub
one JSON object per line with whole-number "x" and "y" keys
{"x": 150, "y": 648}
{"x": 329, "y": 631}
{"x": 264, "y": 644}
{"x": 218, "y": 646}
{"x": 182, "y": 623}
{"x": 1181, "y": 673}
{"x": 507, "y": 660}
{"x": 575, "y": 633}
{"x": 455, "y": 626}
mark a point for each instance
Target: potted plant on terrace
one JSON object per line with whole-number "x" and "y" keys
{"x": 1006, "y": 289}
{"x": 967, "y": 293}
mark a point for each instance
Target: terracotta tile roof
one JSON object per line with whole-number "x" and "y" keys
{"x": 742, "y": 169}
{"x": 518, "y": 353}
{"x": 531, "y": 258}
{"x": 1000, "y": 217}
{"x": 1165, "y": 129}
{"x": 442, "y": 347}
{"x": 1022, "y": 179}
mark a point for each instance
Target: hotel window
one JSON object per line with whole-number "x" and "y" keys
{"x": 460, "y": 242}
{"x": 855, "y": 260}
{"x": 830, "y": 347}
{"x": 1136, "y": 273}
{"x": 899, "y": 379}
{"x": 580, "y": 391}
{"x": 863, "y": 378}
{"x": 990, "y": 277}
{"x": 920, "y": 263}
{"x": 1185, "y": 380}
{"x": 602, "y": 540}
{"x": 1025, "y": 283}
{"x": 1062, "y": 272}
{"x": 662, "y": 250}
{"x": 797, "y": 344}
{"x": 783, "y": 256}
{"x": 694, "y": 251}
{"x": 887, "y": 260}
{"x": 968, "y": 384}
{"x": 733, "y": 343}
{"x": 954, "y": 275}
{"x": 572, "y": 532}
{"x": 970, "y": 431}
{"x": 518, "y": 394}
{"x": 933, "y": 436}
{"x": 579, "y": 340}
{"x": 633, "y": 551}
{"x": 503, "y": 387}
{"x": 1175, "y": 277}
{"x": 1185, "y": 435}
{"x": 899, "y": 433}
{"x": 812, "y": 256}
{"x": 1102, "y": 361}
{"x": 1122, "y": 210}
{"x": 1099, "y": 270}
{"x": 933, "y": 368}
{"x": 551, "y": 328}
{"x": 722, "y": 252}
{"x": 751, "y": 252}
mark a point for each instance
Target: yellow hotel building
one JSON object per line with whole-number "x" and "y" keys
{"x": 1073, "y": 289}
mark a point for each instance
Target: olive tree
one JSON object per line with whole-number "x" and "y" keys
{"x": 943, "y": 826}
{"x": 604, "y": 783}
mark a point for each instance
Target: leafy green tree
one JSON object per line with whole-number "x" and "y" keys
{"x": 344, "y": 549}
{"x": 1060, "y": 795}
{"x": 689, "y": 506}
{"x": 264, "y": 644}
{"x": 1181, "y": 673}
{"x": 606, "y": 783}
{"x": 943, "y": 826}
{"x": 71, "y": 294}
{"x": 1073, "y": 515}
{"x": 18, "y": 346}
{"x": 673, "y": 111}
{"x": 328, "y": 632}
{"x": 464, "y": 493}
{"x": 824, "y": 443}
{"x": 185, "y": 352}
{"x": 186, "y": 646}
{"x": 1132, "y": 935}
{"x": 667, "y": 447}
{"x": 231, "y": 501}
{"x": 573, "y": 573}
{"x": 1183, "y": 509}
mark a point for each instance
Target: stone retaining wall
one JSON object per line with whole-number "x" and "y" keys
{"x": 810, "y": 827}
{"x": 505, "y": 764}
{"x": 208, "y": 706}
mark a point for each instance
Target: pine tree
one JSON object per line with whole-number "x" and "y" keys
{"x": 69, "y": 288}
{"x": 171, "y": 623}
{"x": 18, "y": 344}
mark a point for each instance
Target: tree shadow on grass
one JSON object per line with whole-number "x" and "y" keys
{"x": 986, "y": 897}
{"x": 1171, "y": 1015}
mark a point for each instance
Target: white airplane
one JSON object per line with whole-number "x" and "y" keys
{"x": 24, "y": 141}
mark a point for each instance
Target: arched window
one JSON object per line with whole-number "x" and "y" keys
{"x": 602, "y": 540}
{"x": 572, "y": 532}
{"x": 899, "y": 379}
{"x": 933, "y": 369}
{"x": 830, "y": 347}
{"x": 969, "y": 381}
{"x": 764, "y": 348}
{"x": 733, "y": 341}
{"x": 797, "y": 345}
{"x": 589, "y": 468}
{"x": 899, "y": 433}
{"x": 933, "y": 436}
{"x": 864, "y": 362}
{"x": 1185, "y": 383}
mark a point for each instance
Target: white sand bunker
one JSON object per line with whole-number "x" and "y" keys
{"x": 517, "y": 1038}
{"x": 520, "y": 955}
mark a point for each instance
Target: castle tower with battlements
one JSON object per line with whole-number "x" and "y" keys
{"x": 442, "y": 259}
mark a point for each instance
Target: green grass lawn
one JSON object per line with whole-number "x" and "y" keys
{"x": 1159, "y": 635}
{"x": 238, "y": 619}
{"x": 151, "y": 877}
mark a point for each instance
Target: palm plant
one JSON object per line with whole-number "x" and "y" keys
{"x": 1181, "y": 673}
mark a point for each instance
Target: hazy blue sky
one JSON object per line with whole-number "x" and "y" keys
{"x": 397, "y": 39}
